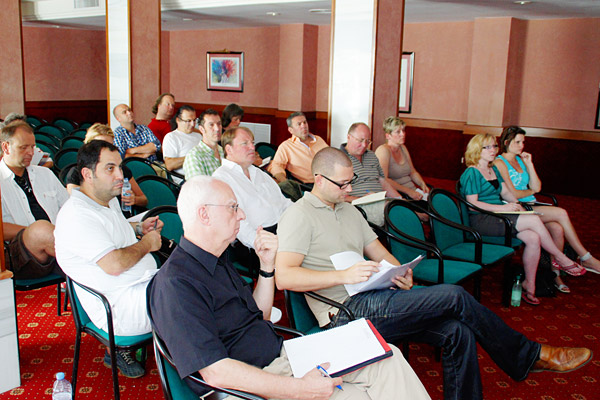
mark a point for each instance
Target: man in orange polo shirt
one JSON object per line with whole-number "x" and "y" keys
{"x": 296, "y": 153}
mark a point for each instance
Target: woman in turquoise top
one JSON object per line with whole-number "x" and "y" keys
{"x": 516, "y": 167}
{"x": 481, "y": 186}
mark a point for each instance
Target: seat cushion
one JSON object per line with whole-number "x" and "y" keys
{"x": 454, "y": 271}
{"x": 490, "y": 253}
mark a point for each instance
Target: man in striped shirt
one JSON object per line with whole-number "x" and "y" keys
{"x": 370, "y": 176}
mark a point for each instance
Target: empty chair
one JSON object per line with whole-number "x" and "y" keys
{"x": 47, "y": 148}
{"x": 158, "y": 190}
{"x": 41, "y": 137}
{"x": 265, "y": 149}
{"x": 80, "y": 133}
{"x": 172, "y": 229}
{"x": 407, "y": 241}
{"x": 85, "y": 125}
{"x": 35, "y": 121}
{"x": 64, "y": 158}
{"x": 71, "y": 142}
{"x": 56, "y": 131}
{"x": 139, "y": 167}
{"x": 64, "y": 173}
{"x": 65, "y": 123}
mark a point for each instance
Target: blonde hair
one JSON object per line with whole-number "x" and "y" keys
{"x": 391, "y": 123}
{"x": 96, "y": 130}
{"x": 475, "y": 146}
{"x": 230, "y": 134}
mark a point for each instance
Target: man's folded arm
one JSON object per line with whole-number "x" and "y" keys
{"x": 233, "y": 374}
{"x": 120, "y": 260}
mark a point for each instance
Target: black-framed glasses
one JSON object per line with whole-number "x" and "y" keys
{"x": 235, "y": 207}
{"x": 342, "y": 185}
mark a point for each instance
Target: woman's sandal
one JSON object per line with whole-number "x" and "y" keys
{"x": 583, "y": 259}
{"x": 530, "y": 298}
{"x": 562, "y": 288}
{"x": 573, "y": 269}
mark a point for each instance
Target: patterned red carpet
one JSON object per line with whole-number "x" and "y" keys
{"x": 46, "y": 340}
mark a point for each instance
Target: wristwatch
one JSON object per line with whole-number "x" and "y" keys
{"x": 266, "y": 274}
{"x": 138, "y": 229}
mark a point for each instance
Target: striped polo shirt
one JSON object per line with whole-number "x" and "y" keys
{"x": 368, "y": 171}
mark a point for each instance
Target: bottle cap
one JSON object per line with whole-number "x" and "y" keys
{"x": 60, "y": 376}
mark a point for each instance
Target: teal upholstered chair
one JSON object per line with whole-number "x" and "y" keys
{"x": 65, "y": 123}
{"x": 107, "y": 338}
{"x": 71, "y": 142}
{"x": 35, "y": 121}
{"x": 301, "y": 316}
{"x": 139, "y": 167}
{"x": 265, "y": 150}
{"x": 55, "y": 131}
{"x": 41, "y": 137}
{"x": 159, "y": 191}
{"x": 46, "y": 147}
{"x": 48, "y": 280}
{"x": 65, "y": 157}
{"x": 407, "y": 241}
{"x": 80, "y": 133}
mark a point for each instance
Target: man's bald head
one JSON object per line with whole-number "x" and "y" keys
{"x": 327, "y": 159}
{"x": 196, "y": 191}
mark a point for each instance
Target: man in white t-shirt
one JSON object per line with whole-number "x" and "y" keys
{"x": 179, "y": 142}
{"x": 97, "y": 247}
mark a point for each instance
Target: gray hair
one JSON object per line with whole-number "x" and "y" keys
{"x": 196, "y": 191}
{"x": 292, "y": 116}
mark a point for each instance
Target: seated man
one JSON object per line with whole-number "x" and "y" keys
{"x": 97, "y": 247}
{"x": 163, "y": 110}
{"x": 322, "y": 224}
{"x": 206, "y": 157}
{"x": 179, "y": 142}
{"x": 31, "y": 198}
{"x": 131, "y": 139}
{"x": 371, "y": 178}
{"x": 297, "y": 152}
{"x": 258, "y": 194}
{"x": 212, "y": 323}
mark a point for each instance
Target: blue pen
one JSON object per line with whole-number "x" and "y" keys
{"x": 327, "y": 375}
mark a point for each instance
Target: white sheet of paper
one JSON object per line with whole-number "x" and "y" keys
{"x": 370, "y": 198}
{"x": 337, "y": 346}
{"x": 379, "y": 280}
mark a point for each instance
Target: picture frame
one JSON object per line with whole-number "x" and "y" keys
{"x": 597, "y": 124}
{"x": 407, "y": 65}
{"x": 225, "y": 71}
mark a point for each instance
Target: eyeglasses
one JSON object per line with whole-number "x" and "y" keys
{"x": 187, "y": 121}
{"x": 234, "y": 207}
{"x": 490, "y": 147}
{"x": 361, "y": 141}
{"x": 342, "y": 185}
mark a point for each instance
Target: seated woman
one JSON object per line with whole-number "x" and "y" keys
{"x": 518, "y": 172}
{"x": 483, "y": 187}
{"x": 103, "y": 132}
{"x": 396, "y": 162}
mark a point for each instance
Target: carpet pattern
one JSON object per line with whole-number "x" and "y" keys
{"x": 47, "y": 341}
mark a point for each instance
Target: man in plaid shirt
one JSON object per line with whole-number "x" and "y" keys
{"x": 131, "y": 139}
{"x": 206, "y": 157}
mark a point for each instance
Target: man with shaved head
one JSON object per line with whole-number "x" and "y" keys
{"x": 134, "y": 140}
{"x": 214, "y": 324}
{"x": 322, "y": 224}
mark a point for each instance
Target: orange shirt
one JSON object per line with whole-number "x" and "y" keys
{"x": 296, "y": 157}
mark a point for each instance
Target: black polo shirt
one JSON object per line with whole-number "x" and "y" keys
{"x": 205, "y": 312}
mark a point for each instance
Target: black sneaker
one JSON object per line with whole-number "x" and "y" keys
{"x": 126, "y": 364}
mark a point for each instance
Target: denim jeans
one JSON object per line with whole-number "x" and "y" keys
{"x": 449, "y": 317}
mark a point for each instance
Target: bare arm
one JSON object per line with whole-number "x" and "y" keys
{"x": 501, "y": 167}
{"x": 120, "y": 260}
{"x": 535, "y": 183}
{"x": 173, "y": 163}
{"x": 10, "y": 230}
{"x": 512, "y": 206}
{"x": 148, "y": 148}
{"x": 292, "y": 276}
{"x": 389, "y": 189}
{"x": 414, "y": 174}
{"x": 383, "y": 154}
{"x": 234, "y": 374}
{"x": 140, "y": 197}
{"x": 376, "y": 251}
{"x": 278, "y": 166}
{"x": 265, "y": 246}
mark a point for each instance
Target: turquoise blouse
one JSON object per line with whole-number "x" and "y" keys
{"x": 520, "y": 180}
{"x": 473, "y": 182}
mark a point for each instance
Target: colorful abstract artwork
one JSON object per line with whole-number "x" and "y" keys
{"x": 225, "y": 71}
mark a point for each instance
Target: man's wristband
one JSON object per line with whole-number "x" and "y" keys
{"x": 266, "y": 274}
{"x": 138, "y": 229}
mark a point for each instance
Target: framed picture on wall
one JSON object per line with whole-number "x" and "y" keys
{"x": 225, "y": 71}
{"x": 597, "y": 124}
{"x": 407, "y": 65}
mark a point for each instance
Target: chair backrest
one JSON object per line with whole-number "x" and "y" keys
{"x": 65, "y": 157}
{"x": 158, "y": 190}
{"x": 85, "y": 125}
{"x": 62, "y": 175}
{"x": 41, "y": 137}
{"x": 71, "y": 142}
{"x": 47, "y": 148}
{"x": 79, "y": 315}
{"x": 52, "y": 130}
{"x": 66, "y": 124}
{"x": 139, "y": 167}
{"x": 444, "y": 235}
{"x": 35, "y": 121}
{"x": 173, "y": 229}
{"x": 80, "y": 133}
{"x": 265, "y": 149}
{"x": 403, "y": 222}
{"x": 299, "y": 314}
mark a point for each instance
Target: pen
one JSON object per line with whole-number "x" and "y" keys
{"x": 325, "y": 373}
{"x": 155, "y": 223}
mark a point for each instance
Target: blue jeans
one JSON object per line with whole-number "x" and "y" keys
{"x": 449, "y": 317}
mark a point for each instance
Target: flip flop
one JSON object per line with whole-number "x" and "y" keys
{"x": 530, "y": 299}
{"x": 592, "y": 270}
{"x": 573, "y": 269}
{"x": 562, "y": 288}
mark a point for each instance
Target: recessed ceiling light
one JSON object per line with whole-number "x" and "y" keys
{"x": 320, "y": 11}
{"x": 273, "y": 13}
{"x": 522, "y": 2}
{"x": 187, "y": 19}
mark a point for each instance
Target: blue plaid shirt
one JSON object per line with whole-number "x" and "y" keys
{"x": 126, "y": 140}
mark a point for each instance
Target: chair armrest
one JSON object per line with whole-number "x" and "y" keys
{"x": 552, "y": 198}
{"x": 195, "y": 377}
{"x": 332, "y": 303}
{"x": 288, "y": 330}
{"x": 103, "y": 299}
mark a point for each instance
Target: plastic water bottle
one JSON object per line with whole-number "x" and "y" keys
{"x": 62, "y": 389}
{"x": 125, "y": 193}
{"x": 515, "y": 296}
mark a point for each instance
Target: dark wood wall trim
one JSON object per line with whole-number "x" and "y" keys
{"x": 76, "y": 110}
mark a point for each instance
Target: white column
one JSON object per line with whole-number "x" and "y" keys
{"x": 118, "y": 55}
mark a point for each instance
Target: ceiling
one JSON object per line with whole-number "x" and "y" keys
{"x": 229, "y": 14}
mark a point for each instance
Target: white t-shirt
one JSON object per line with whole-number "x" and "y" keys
{"x": 178, "y": 144}
{"x": 85, "y": 232}
{"x": 259, "y": 197}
